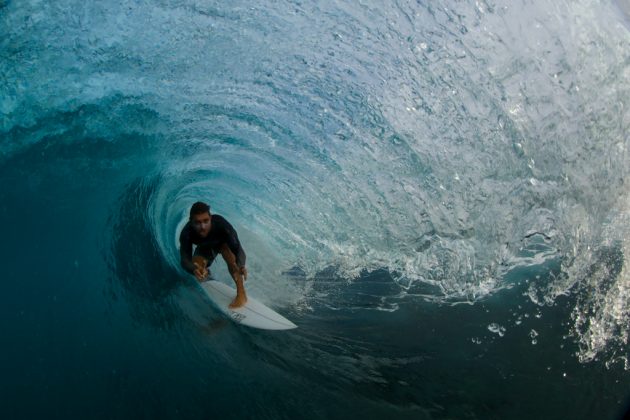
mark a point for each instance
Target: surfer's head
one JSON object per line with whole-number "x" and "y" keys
{"x": 200, "y": 218}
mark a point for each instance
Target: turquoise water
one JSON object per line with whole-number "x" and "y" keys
{"x": 435, "y": 193}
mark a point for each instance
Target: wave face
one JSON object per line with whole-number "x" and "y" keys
{"x": 433, "y": 153}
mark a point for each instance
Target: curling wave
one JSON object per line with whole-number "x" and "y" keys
{"x": 442, "y": 143}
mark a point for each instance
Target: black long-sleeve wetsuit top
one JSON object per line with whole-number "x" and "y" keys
{"x": 221, "y": 232}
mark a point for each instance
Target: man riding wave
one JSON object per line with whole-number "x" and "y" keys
{"x": 213, "y": 235}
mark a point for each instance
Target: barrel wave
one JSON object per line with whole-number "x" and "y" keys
{"x": 436, "y": 193}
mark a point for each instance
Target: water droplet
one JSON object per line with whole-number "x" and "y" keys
{"x": 497, "y": 329}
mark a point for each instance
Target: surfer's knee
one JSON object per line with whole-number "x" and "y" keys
{"x": 201, "y": 261}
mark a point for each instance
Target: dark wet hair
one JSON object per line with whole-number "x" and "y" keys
{"x": 199, "y": 208}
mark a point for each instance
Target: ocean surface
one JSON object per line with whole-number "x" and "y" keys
{"x": 436, "y": 192}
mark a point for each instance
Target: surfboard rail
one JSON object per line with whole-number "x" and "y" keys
{"x": 254, "y": 314}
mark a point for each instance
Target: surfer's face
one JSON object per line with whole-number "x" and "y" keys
{"x": 201, "y": 223}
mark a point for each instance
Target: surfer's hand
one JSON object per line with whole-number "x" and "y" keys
{"x": 200, "y": 272}
{"x": 244, "y": 273}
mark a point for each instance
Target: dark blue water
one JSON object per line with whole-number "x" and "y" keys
{"x": 435, "y": 193}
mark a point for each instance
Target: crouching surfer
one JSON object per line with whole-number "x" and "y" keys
{"x": 213, "y": 235}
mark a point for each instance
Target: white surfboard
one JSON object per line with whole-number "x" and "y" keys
{"x": 254, "y": 314}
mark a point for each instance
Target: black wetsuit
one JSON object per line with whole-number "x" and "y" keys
{"x": 221, "y": 232}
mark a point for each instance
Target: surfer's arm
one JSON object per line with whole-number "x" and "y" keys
{"x": 235, "y": 245}
{"x": 185, "y": 253}
{"x": 186, "y": 261}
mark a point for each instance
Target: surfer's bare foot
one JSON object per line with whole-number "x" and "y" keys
{"x": 238, "y": 302}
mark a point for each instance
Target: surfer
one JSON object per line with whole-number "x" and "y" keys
{"x": 213, "y": 235}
